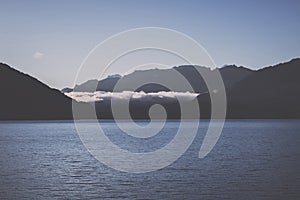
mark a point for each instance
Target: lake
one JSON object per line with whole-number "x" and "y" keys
{"x": 253, "y": 159}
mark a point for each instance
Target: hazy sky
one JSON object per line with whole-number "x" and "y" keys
{"x": 50, "y": 39}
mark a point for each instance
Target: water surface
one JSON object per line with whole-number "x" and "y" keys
{"x": 253, "y": 159}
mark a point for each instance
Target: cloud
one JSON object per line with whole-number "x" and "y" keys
{"x": 38, "y": 55}
{"x": 127, "y": 95}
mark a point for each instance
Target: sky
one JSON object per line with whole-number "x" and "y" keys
{"x": 50, "y": 39}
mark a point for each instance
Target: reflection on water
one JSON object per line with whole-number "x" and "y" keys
{"x": 252, "y": 159}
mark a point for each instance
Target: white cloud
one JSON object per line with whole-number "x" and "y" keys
{"x": 126, "y": 95}
{"x": 38, "y": 55}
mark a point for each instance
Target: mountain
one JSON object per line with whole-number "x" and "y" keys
{"x": 25, "y": 98}
{"x": 106, "y": 85}
{"x": 271, "y": 92}
{"x": 267, "y": 93}
{"x": 230, "y": 74}
{"x": 66, "y": 90}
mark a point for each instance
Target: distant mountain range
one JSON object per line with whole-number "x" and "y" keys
{"x": 231, "y": 74}
{"x": 272, "y": 92}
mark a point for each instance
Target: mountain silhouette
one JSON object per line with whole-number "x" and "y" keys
{"x": 230, "y": 74}
{"x": 25, "y": 98}
{"x": 271, "y": 92}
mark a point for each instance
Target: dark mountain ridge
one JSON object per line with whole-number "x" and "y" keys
{"x": 26, "y": 98}
{"x": 271, "y": 92}
{"x": 230, "y": 74}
